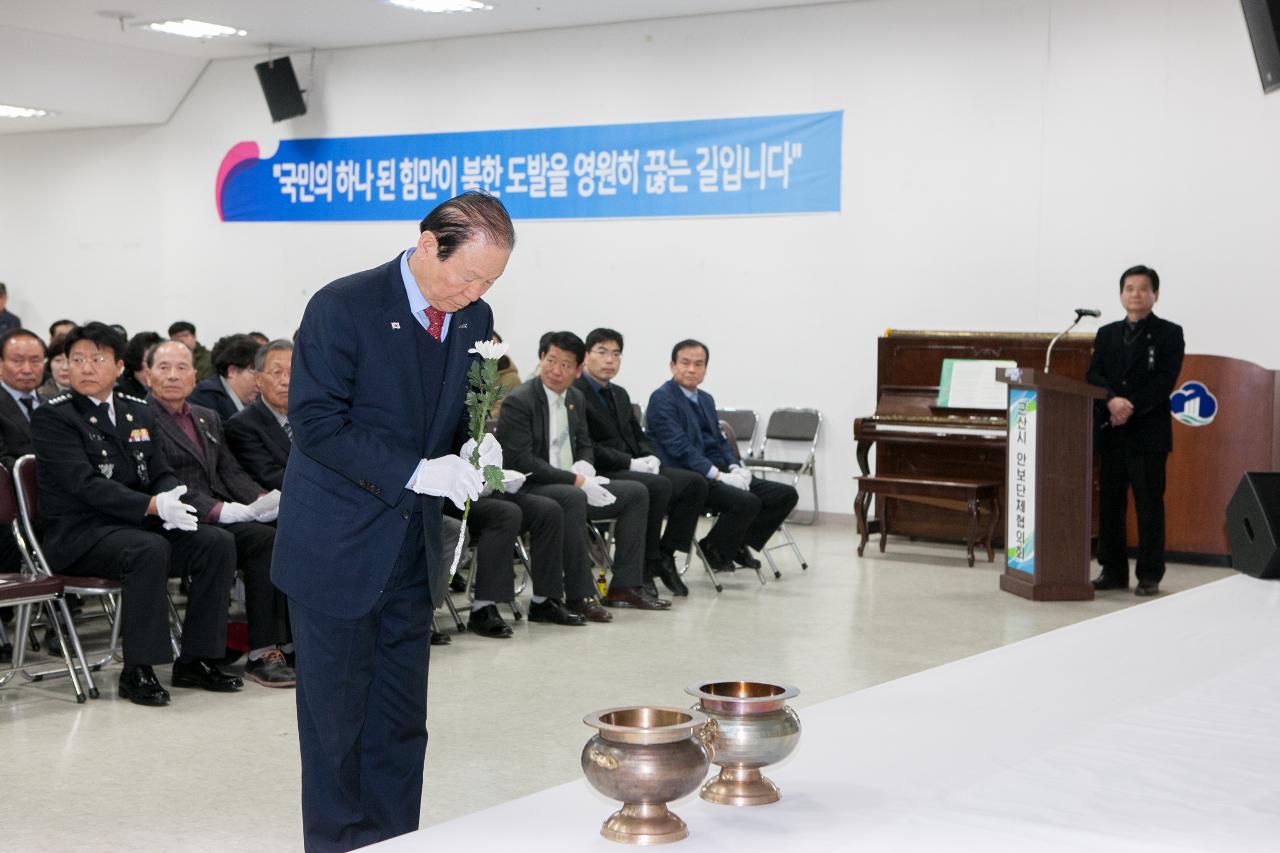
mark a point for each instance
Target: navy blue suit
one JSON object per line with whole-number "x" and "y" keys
{"x": 686, "y": 434}
{"x": 358, "y": 554}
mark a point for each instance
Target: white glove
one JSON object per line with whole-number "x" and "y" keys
{"x": 233, "y": 513}
{"x": 742, "y": 471}
{"x": 267, "y": 507}
{"x": 490, "y": 451}
{"x": 173, "y": 512}
{"x": 585, "y": 468}
{"x": 512, "y": 481}
{"x": 449, "y": 477}
{"x": 737, "y": 480}
{"x": 645, "y": 464}
{"x": 597, "y": 494}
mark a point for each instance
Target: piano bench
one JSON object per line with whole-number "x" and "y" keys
{"x": 971, "y": 496}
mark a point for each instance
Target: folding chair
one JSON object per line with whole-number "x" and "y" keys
{"x": 743, "y": 423}
{"x": 798, "y": 426}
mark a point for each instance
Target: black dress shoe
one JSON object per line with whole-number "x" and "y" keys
{"x": 487, "y": 622}
{"x": 589, "y": 608}
{"x": 141, "y": 687}
{"x": 1104, "y": 582}
{"x": 439, "y": 638}
{"x": 634, "y": 597}
{"x": 717, "y": 561}
{"x": 670, "y": 576}
{"x": 200, "y": 673}
{"x": 1147, "y": 588}
{"x": 745, "y": 559}
{"x": 554, "y": 612}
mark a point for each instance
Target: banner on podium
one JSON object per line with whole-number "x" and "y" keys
{"x": 1020, "y": 531}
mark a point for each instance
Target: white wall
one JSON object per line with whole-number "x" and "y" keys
{"x": 1003, "y": 161}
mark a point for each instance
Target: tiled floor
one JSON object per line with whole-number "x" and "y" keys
{"x": 220, "y": 772}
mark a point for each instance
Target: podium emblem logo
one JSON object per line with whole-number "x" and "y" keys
{"x": 1193, "y": 404}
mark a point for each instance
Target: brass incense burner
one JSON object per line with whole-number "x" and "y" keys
{"x": 756, "y": 728}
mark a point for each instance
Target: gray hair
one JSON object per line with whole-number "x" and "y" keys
{"x": 278, "y": 345}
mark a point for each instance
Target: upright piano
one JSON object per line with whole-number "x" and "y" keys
{"x": 912, "y": 437}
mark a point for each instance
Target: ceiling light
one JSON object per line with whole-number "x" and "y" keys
{"x": 443, "y": 6}
{"x": 193, "y": 29}
{"x": 7, "y": 111}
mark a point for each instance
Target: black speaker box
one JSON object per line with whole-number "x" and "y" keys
{"x": 280, "y": 86}
{"x": 1263, "y": 19}
{"x": 1253, "y": 525}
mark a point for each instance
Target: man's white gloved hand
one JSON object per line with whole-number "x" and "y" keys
{"x": 173, "y": 512}
{"x": 233, "y": 513}
{"x": 512, "y": 481}
{"x": 645, "y": 464}
{"x": 584, "y": 468}
{"x": 266, "y": 507}
{"x": 738, "y": 479}
{"x": 490, "y": 451}
{"x": 597, "y": 494}
{"x": 449, "y": 477}
{"x": 742, "y": 471}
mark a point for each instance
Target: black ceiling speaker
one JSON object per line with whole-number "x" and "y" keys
{"x": 280, "y": 86}
{"x": 1253, "y": 525}
{"x": 1263, "y": 18}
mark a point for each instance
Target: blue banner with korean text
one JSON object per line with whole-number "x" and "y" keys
{"x": 712, "y": 167}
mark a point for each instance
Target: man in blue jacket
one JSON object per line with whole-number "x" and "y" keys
{"x": 681, "y": 422}
{"x": 376, "y": 406}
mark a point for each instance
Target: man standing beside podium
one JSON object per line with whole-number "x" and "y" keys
{"x": 1137, "y": 360}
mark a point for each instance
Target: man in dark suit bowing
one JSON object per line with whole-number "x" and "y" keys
{"x": 1137, "y": 360}
{"x": 259, "y": 433}
{"x": 376, "y": 404}
{"x": 685, "y": 431}
{"x": 623, "y": 452}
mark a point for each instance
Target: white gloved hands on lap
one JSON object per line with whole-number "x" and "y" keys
{"x": 449, "y": 477}
{"x": 490, "y": 451}
{"x": 645, "y": 464}
{"x": 267, "y": 507}
{"x": 583, "y": 468}
{"x": 234, "y": 513}
{"x": 597, "y": 494}
{"x": 738, "y": 478}
{"x": 173, "y": 512}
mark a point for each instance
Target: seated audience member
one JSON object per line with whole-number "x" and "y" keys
{"x": 624, "y": 452}
{"x": 186, "y": 333}
{"x": 8, "y": 320}
{"x": 543, "y": 431}
{"x": 21, "y": 366}
{"x": 235, "y": 385}
{"x": 222, "y": 493}
{"x": 508, "y": 375}
{"x": 259, "y": 434}
{"x": 112, "y": 507}
{"x": 262, "y": 339}
{"x": 58, "y": 379}
{"x": 685, "y": 430}
{"x": 134, "y": 378}
{"x": 58, "y": 328}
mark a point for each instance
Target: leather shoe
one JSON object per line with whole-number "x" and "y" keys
{"x": 745, "y": 559}
{"x": 635, "y": 597}
{"x": 1104, "y": 582}
{"x": 488, "y": 623}
{"x": 439, "y": 638}
{"x": 589, "y": 608}
{"x": 200, "y": 673}
{"x": 670, "y": 576}
{"x": 1147, "y": 588}
{"x": 717, "y": 561}
{"x": 141, "y": 687}
{"x": 554, "y": 612}
{"x": 650, "y": 588}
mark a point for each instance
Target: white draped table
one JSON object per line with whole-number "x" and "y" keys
{"x": 1152, "y": 728}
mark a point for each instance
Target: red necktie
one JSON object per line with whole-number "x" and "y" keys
{"x": 435, "y": 322}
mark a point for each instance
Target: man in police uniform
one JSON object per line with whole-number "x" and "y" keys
{"x": 1137, "y": 360}
{"x": 112, "y": 508}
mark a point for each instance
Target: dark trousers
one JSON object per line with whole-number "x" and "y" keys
{"x": 631, "y": 511}
{"x": 676, "y": 495}
{"x": 362, "y": 709}
{"x": 748, "y": 518}
{"x": 495, "y": 522}
{"x": 143, "y": 559}
{"x": 1144, "y": 472}
{"x": 265, "y": 605}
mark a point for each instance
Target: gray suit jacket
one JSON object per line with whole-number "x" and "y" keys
{"x": 523, "y": 427}
{"x": 210, "y": 473}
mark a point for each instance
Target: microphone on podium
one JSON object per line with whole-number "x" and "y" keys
{"x": 1081, "y": 313}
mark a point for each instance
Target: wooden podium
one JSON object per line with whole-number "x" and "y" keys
{"x": 1049, "y": 481}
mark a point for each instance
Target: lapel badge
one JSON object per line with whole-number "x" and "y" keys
{"x": 395, "y": 325}
{"x": 93, "y": 419}
{"x": 128, "y": 416}
{"x": 463, "y": 326}
{"x": 106, "y": 468}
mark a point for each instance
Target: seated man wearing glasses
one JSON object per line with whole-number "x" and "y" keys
{"x": 259, "y": 434}
{"x": 236, "y": 384}
{"x": 685, "y": 430}
{"x": 112, "y": 507}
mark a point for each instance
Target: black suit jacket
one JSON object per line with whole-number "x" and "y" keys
{"x": 95, "y": 477}
{"x": 210, "y": 472}
{"x": 1144, "y": 374}
{"x": 210, "y": 394}
{"x": 523, "y": 431}
{"x": 616, "y": 436}
{"x": 260, "y": 444}
{"x": 15, "y": 431}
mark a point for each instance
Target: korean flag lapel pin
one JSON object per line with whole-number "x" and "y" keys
{"x": 394, "y": 324}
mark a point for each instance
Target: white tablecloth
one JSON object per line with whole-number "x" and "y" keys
{"x": 1152, "y": 728}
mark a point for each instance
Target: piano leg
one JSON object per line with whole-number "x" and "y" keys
{"x": 973, "y": 527}
{"x": 991, "y": 528}
{"x": 884, "y": 522}
{"x": 860, "y": 513}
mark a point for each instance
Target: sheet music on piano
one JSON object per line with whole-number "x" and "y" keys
{"x": 970, "y": 383}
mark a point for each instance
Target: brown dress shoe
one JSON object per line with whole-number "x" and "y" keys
{"x": 589, "y": 609}
{"x": 636, "y": 597}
